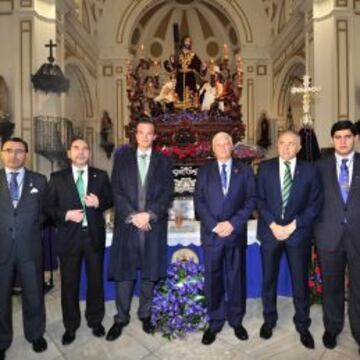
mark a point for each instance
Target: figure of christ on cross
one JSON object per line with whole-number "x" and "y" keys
{"x": 306, "y": 90}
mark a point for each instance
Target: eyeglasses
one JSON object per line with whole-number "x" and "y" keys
{"x": 14, "y": 151}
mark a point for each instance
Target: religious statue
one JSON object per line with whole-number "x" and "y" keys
{"x": 264, "y": 140}
{"x": 186, "y": 64}
{"x": 107, "y": 134}
{"x": 4, "y": 100}
{"x": 212, "y": 91}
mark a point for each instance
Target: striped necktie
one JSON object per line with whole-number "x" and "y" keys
{"x": 287, "y": 183}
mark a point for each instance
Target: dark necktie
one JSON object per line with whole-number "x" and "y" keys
{"x": 344, "y": 180}
{"x": 223, "y": 176}
{"x": 14, "y": 187}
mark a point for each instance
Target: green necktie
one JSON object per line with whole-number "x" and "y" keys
{"x": 142, "y": 167}
{"x": 287, "y": 182}
{"x": 80, "y": 186}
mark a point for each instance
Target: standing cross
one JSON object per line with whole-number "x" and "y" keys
{"x": 51, "y": 45}
{"x": 306, "y": 90}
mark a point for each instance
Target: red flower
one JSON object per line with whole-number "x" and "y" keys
{"x": 319, "y": 289}
{"x": 317, "y": 270}
{"x": 311, "y": 283}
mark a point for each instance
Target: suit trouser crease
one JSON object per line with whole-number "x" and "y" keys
{"x": 70, "y": 285}
{"x": 33, "y": 308}
{"x": 298, "y": 260}
{"x": 333, "y": 266}
{"x": 225, "y": 285}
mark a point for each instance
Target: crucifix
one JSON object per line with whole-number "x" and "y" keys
{"x": 51, "y": 45}
{"x": 306, "y": 90}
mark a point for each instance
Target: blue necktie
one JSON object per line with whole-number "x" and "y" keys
{"x": 223, "y": 176}
{"x": 14, "y": 187}
{"x": 344, "y": 180}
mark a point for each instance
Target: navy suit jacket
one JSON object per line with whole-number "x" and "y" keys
{"x": 304, "y": 203}
{"x": 236, "y": 207}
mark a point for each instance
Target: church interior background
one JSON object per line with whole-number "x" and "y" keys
{"x": 97, "y": 40}
{"x": 269, "y": 46}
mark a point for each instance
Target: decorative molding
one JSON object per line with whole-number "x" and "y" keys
{"x": 6, "y": 7}
{"x": 250, "y": 103}
{"x": 356, "y": 6}
{"x": 341, "y": 3}
{"x": 26, "y": 3}
{"x": 261, "y": 70}
{"x": 250, "y": 69}
{"x": 26, "y": 110}
{"x": 119, "y": 112}
{"x": 107, "y": 70}
{"x": 119, "y": 69}
{"x": 342, "y": 68}
{"x": 89, "y": 137}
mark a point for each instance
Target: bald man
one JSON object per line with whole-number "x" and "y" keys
{"x": 224, "y": 200}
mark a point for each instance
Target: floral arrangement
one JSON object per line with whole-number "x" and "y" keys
{"x": 246, "y": 151}
{"x": 315, "y": 281}
{"x": 179, "y": 302}
{"x": 198, "y": 149}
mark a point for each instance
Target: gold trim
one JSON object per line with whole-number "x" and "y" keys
{"x": 342, "y": 27}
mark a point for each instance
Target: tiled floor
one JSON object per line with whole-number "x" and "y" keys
{"x": 134, "y": 344}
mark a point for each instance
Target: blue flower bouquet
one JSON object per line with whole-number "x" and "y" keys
{"x": 179, "y": 302}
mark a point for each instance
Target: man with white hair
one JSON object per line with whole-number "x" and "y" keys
{"x": 224, "y": 200}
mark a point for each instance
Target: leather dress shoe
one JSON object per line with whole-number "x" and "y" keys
{"x": 2, "y": 354}
{"x": 39, "y": 345}
{"x": 98, "y": 330}
{"x": 209, "y": 337}
{"x": 115, "y": 331}
{"x": 329, "y": 340}
{"x": 241, "y": 333}
{"x": 147, "y": 326}
{"x": 68, "y": 337}
{"x": 266, "y": 331}
{"x": 307, "y": 339}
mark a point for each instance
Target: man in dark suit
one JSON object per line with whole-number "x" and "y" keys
{"x": 77, "y": 198}
{"x": 224, "y": 200}
{"x": 289, "y": 199}
{"x": 337, "y": 233}
{"x": 21, "y": 216}
{"x": 142, "y": 184}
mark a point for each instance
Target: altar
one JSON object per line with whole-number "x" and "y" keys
{"x": 184, "y": 242}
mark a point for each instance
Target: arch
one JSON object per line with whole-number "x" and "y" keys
{"x": 281, "y": 92}
{"x": 77, "y": 71}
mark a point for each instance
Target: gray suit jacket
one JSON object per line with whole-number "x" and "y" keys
{"x": 22, "y": 225}
{"x": 336, "y": 215}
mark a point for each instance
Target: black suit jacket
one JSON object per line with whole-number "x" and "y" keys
{"x": 330, "y": 226}
{"x": 23, "y": 224}
{"x": 159, "y": 191}
{"x": 63, "y": 196}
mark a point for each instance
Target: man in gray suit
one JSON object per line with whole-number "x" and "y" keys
{"x": 337, "y": 233}
{"x": 142, "y": 187}
{"x": 21, "y": 216}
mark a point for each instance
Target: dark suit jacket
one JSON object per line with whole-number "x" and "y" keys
{"x": 23, "y": 224}
{"x": 159, "y": 191}
{"x": 63, "y": 196}
{"x": 329, "y": 228}
{"x": 212, "y": 206}
{"x": 304, "y": 203}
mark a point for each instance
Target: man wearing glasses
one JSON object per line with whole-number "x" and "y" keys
{"x": 21, "y": 215}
